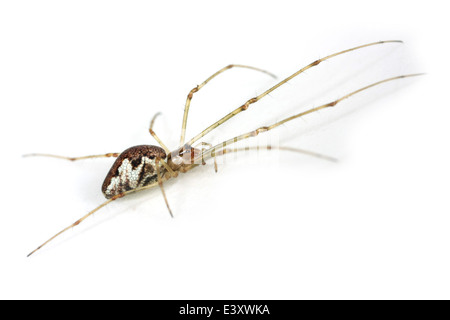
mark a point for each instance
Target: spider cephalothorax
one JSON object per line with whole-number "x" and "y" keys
{"x": 184, "y": 158}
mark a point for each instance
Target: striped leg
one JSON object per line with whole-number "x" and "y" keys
{"x": 194, "y": 90}
{"x": 107, "y": 155}
{"x": 212, "y": 151}
{"x": 302, "y": 151}
{"x": 204, "y": 149}
{"x": 246, "y": 105}
{"x": 154, "y": 134}
{"x": 160, "y": 183}
{"x": 78, "y": 221}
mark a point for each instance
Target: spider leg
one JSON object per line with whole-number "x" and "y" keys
{"x": 212, "y": 151}
{"x": 160, "y": 183}
{"x": 203, "y": 149}
{"x": 123, "y": 194}
{"x": 302, "y": 151}
{"x": 107, "y": 155}
{"x": 194, "y": 90}
{"x": 154, "y": 134}
{"x": 77, "y": 222}
{"x": 172, "y": 173}
{"x": 247, "y": 104}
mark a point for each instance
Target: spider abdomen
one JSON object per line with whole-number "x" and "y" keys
{"x": 134, "y": 168}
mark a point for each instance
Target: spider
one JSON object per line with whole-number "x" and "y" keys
{"x": 145, "y": 166}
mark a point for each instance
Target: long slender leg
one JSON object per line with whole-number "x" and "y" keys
{"x": 77, "y": 222}
{"x": 246, "y": 105}
{"x": 210, "y": 152}
{"x": 172, "y": 173}
{"x": 160, "y": 182}
{"x": 165, "y": 178}
{"x": 107, "y": 155}
{"x": 210, "y": 146}
{"x": 112, "y": 154}
{"x": 302, "y": 151}
{"x": 194, "y": 90}
{"x": 154, "y": 134}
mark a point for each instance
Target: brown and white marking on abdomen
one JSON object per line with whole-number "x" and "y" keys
{"x": 134, "y": 168}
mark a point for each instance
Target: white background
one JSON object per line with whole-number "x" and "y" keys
{"x": 85, "y": 77}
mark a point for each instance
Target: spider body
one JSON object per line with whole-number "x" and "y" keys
{"x": 143, "y": 167}
{"x": 137, "y": 167}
